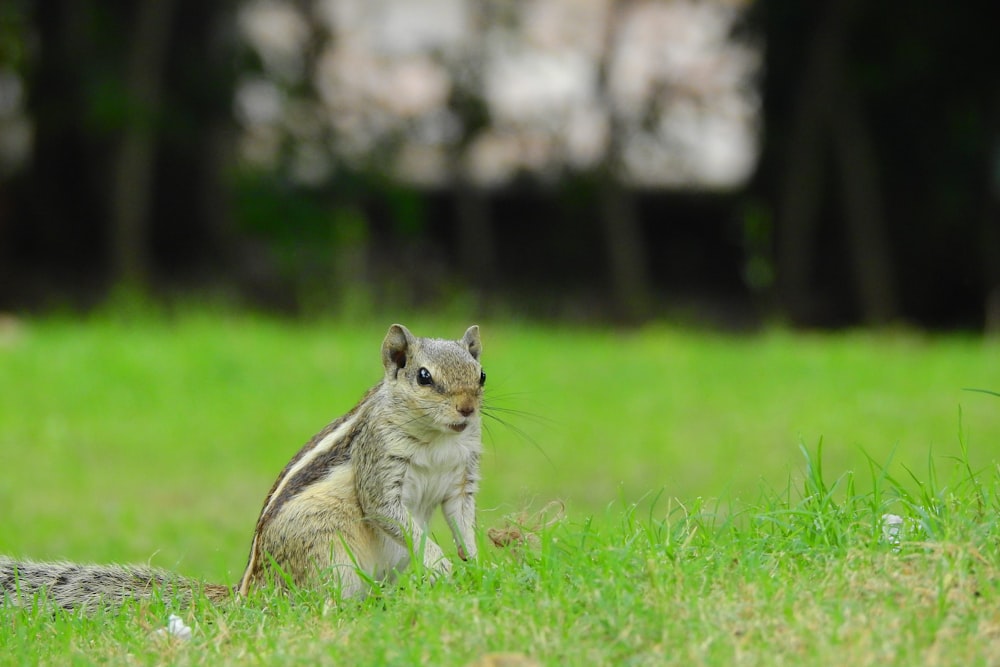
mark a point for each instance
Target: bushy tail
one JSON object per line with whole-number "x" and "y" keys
{"x": 76, "y": 586}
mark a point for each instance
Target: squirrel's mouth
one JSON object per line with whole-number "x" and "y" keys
{"x": 458, "y": 427}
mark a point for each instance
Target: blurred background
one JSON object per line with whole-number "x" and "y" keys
{"x": 724, "y": 162}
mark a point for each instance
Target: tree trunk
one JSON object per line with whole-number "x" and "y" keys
{"x": 800, "y": 195}
{"x": 134, "y": 164}
{"x": 991, "y": 254}
{"x": 477, "y": 248}
{"x": 626, "y": 256}
{"x": 866, "y": 225}
{"x": 217, "y": 153}
{"x": 476, "y": 241}
{"x": 991, "y": 258}
{"x": 991, "y": 222}
{"x": 61, "y": 213}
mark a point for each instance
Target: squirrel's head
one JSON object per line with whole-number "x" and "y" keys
{"x": 440, "y": 380}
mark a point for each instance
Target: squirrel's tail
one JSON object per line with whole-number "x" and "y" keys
{"x": 76, "y": 586}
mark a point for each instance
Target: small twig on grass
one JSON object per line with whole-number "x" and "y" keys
{"x": 522, "y": 529}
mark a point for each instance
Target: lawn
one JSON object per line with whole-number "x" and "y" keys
{"x": 693, "y": 515}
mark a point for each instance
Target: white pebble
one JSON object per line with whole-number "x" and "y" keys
{"x": 892, "y": 526}
{"x": 176, "y": 628}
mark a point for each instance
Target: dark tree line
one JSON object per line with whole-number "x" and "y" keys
{"x": 130, "y": 103}
{"x": 879, "y": 165}
{"x": 877, "y": 197}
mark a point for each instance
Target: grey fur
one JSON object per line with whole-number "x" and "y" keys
{"x": 74, "y": 585}
{"x": 378, "y": 473}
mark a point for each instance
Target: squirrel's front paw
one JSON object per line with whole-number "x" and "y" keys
{"x": 436, "y": 563}
{"x": 442, "y": 569}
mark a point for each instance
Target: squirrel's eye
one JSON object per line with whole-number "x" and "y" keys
{"x": 424, "y": 377}
{"x": 482, "y": 378}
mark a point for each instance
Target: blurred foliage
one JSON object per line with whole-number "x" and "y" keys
{"x": 923, "y": 75}
{"x": 14, "y": 35}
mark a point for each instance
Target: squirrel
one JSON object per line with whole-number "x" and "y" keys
{"x": 351, "y": 507}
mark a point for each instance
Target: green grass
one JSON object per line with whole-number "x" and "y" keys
{"x": 703, "y": 524}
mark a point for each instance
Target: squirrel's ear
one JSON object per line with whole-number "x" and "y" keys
{"x": 471, "y": 341}
{"x": 396, "y": 348}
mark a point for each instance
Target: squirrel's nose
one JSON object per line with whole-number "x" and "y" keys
{"x": 466, "y": 410}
